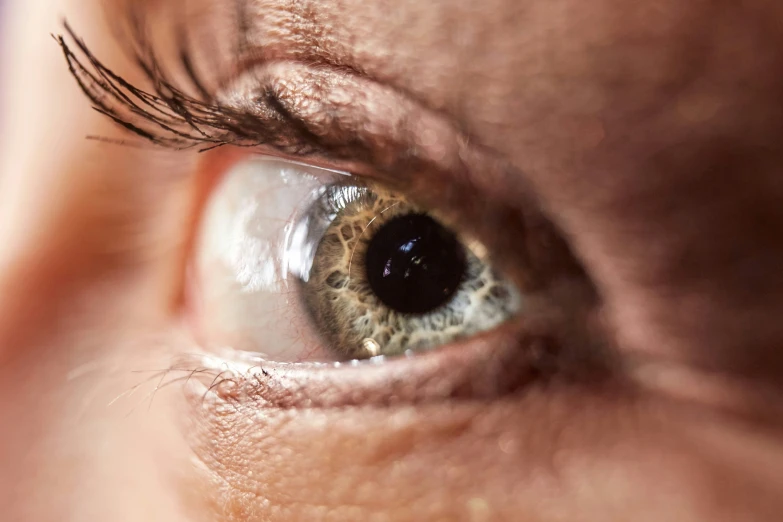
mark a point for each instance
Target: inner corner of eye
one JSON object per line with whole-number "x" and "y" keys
{"x": 298, "y": 264}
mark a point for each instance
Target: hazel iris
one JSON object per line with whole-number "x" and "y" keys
{"x": 387, "y": 278}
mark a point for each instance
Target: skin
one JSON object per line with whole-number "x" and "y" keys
{"x": 648, "y": 132}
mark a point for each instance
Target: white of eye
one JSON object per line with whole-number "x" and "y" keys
{"x": 247, "y": 248}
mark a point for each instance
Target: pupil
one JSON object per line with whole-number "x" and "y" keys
{"x": 414, "y": 264}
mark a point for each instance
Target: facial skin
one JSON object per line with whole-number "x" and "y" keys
{"x": 648, "y": 133}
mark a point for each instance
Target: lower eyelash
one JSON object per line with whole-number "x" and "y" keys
{"x": 471, "y": 371}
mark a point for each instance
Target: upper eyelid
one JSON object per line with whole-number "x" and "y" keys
{"x": 350, "y": 117}
{"x": 450, "y": 181}
{"x": 169, "y": 117}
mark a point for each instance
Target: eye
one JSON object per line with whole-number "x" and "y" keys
{"x": 301, "y": 264}
{"x": 387, "y": 277}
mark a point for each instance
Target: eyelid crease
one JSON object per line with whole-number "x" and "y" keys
{"x": 350, "y": 118}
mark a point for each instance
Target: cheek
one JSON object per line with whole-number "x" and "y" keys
{"x": 560, "y": 456}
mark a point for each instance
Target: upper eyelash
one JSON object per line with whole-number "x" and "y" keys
{"x": 168, "y": 117}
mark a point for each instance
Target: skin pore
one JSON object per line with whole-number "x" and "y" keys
{"x": 647, "y": 133}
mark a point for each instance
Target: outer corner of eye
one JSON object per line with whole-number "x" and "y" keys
{"x": 294, "y": 263}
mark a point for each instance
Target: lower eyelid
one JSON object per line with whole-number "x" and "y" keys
{"x": 504, "y": 361}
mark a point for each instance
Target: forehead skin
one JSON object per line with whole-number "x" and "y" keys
{"x": 648, "y": 129}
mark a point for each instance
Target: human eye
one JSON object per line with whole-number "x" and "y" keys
{"x": 378, "y": 231}
{"x": 303, "y": 264}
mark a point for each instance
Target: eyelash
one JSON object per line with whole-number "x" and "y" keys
{"x": 168, "y": 117}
